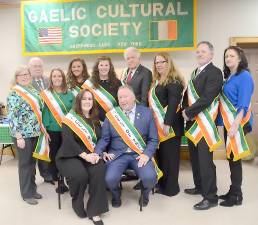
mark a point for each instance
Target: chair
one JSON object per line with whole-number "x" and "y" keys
{"x": 130, "y": 175}
{"x": 59, "y": 180}
{"x": 2, "y": 152}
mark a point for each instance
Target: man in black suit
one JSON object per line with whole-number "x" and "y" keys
{"x": 137, "y": 76}
{"x": 40, "y": 82}
{"x": 207, "y": 81}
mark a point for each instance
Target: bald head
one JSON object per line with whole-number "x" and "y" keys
{"x": 36, "y": 67}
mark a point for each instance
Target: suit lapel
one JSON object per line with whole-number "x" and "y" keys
{"x": 137, "y": 71}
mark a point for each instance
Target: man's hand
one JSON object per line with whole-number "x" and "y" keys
{"x": 186, "y": 118}
{"x": 142, "y": 160}
{"x": 166, "y": 129}
{"x": 108, "y": 157}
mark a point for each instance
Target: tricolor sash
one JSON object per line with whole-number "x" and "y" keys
{"x": 103, "y": 97}
{"x": 159, "y": 114}
{"x": 75, "y": 90}
{"x": 55, "y": 105}
{"x": 82, "y": 129}
{"x": 204, "y": 125}
{"x": 124, "y": 76}
{"x": 42, "y": 148}
{"x": 129, "y": 133}
{"x": 237, "y": 145}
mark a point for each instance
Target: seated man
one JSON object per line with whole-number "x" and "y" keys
{"x": 131, "y": 134}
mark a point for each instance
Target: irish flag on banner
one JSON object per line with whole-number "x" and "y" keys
{"x": 163, "y": 30}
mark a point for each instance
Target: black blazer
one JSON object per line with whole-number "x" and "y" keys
{"x": 171, "y": 95}
{"x": 141, "y": 82}
{"x": 208, "y": 85}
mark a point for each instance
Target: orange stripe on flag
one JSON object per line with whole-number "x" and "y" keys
{"x": 172, "y": 30}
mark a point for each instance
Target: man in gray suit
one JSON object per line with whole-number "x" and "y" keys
{"x": 40, "y": 83}
{"x": 137, "y": 76}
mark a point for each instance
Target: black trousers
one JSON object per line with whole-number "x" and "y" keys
{"x": 26, "y": 167}
{"x": 54, "y": 145}
{"x": 204, "y": 169}
{"x": 168, "y": 158}
{"x": 81, "y": 173}
{"x": 236, "y": 171}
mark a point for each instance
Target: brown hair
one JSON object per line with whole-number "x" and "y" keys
{"x": 71, "y": 79}
{"x": 93, "y": 112}
{"x": 172, "y": 75}
{"x": 111, "y": 74}
{"x": 63, "y": 85}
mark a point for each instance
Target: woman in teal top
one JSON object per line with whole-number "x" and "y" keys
{"x": 58, "y": 101}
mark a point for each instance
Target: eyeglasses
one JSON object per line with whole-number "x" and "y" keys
{"x": 23, "y": 75}
{"x": 160, "y": 62}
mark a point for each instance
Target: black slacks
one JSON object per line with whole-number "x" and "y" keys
{"x": 204, "y": 169}
{"x": 168, "y": 158}
{"x": 81, "y": 173}
{"x": 54, "y": 145}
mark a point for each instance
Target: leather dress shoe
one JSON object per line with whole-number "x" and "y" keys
{"x": 192, "y": 191}
{"x": 37, "y": 195}
{"x": 231, "y": 201}
{"x": 31, "y": 201}
{"x": 97, "y": 222}
{"x": 116, "y": 203}
{"x": 205, "y": 204}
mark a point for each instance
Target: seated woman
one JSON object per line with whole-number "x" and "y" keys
{"x": 77, "y": 161}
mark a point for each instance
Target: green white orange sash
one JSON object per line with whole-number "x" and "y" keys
{"x": 159, "y": 114}
{"x": 42, "y": 149}
{"x": 82, "y": 129}
{"x": 124, "y": 76}
{"x": 237, "y": 145}
{"x": 55, "y": 105}
{"x": 129, "y": 133}
{"x": 204, "y": 125}
{"x": 75, "y": 90}
{"x": 103, "y": 97}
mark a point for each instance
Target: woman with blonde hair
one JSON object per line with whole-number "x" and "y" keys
{"x": 164, "y": 99}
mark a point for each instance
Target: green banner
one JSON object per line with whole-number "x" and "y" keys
{"x": 109, "y": 26}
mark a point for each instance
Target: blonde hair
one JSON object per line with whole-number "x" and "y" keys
{"x": 172, "y": 74}
{"x": 17, "y": 72}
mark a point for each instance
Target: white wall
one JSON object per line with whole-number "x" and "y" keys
{"x": 217, "y": 21}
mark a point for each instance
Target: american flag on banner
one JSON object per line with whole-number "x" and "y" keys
{"x": 50, "y": 35}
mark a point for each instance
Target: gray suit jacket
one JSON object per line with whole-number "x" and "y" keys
{"x": 45, "y": 83}
{"x": 141, "y": 82}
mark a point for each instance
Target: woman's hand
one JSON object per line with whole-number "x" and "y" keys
{"x": 45, "y": 133}
{"x": 21, "y": 143}
{"x": 92, "y": 158}
{"x": 108, "y": 157}
{"x": 166, "y": 129}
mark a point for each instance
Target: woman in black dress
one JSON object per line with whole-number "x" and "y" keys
{"x": 104, "y": 76}
{"x": 77, "y": 161}
{"x": 164, "y": 99}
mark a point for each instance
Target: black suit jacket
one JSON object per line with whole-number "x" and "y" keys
{"x": 141, "y": 82}
{"x": 170, "y": 95}
{"x": 208, "y": 85}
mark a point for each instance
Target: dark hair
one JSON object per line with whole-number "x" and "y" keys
{"x": 210, "y": 46}
{"x": 63, "y": 85}
{"x": 111, "y": 74}
{"x": 93, "y": 112}
{"x": 243, "y": 64}
{"x": 71, "y": 79}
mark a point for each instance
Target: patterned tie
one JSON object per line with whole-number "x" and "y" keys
{"x": 39, "y": 82}
{"x": 197, "y": 72}
{"x": 129, "y": 76}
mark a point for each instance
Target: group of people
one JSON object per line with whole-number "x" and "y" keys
{"x": 93, "y": 128}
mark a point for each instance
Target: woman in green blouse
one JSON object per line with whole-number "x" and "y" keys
{"x": 58, "y": 100}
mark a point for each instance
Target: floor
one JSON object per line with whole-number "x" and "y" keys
{"x": 176, "y": 210}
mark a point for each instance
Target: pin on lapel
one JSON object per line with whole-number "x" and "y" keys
{"x": 138, "y": 116}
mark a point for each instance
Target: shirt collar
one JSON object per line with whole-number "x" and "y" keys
{"x": 201, "y": 68}
{"x": 132, "y": 110}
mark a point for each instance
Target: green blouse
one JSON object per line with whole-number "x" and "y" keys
{"x": 48, "y": 119}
